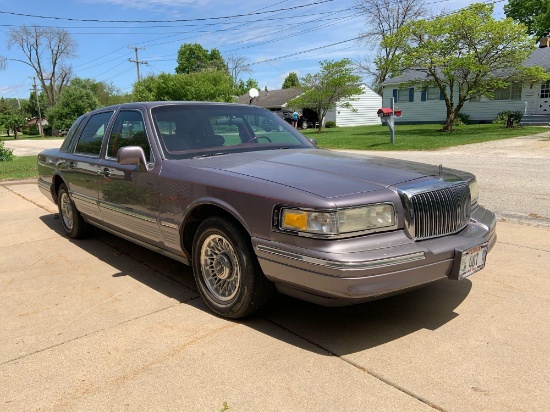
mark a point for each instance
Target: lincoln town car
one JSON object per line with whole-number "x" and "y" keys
{"x": 256, "y": 208}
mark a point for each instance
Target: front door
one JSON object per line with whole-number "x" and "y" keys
{"x": 543, "y": 102}
{"x": 128, "y": 198}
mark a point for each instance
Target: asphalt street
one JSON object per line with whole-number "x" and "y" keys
{"x": 102, "y": 324}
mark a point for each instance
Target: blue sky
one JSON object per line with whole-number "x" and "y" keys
{"x": 277, "y": 37}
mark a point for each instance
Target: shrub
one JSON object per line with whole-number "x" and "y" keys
{"x": 330, "y": 124}
{"x": 502, "y": 117}
{"x": 5, "y": 154}
{"x": 461, "y": 119}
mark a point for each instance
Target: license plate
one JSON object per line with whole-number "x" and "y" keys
{"x": 472, "y": 260}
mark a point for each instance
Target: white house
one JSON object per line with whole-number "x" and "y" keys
{"x": 427, "y": 105}
{"x": 366, "y": 105}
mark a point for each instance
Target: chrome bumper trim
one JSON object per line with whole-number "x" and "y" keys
{"x": 332, "y": 264}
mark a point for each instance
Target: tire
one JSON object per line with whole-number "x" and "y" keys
{"x": 73, "y": 224}
{"x": 304, "y": 125}
{"x": 226, "y": 270}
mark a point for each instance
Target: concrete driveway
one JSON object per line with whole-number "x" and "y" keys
{"x": 101, "y": 324}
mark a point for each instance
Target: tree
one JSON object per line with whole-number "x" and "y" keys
{"x": 238, "y": 64}
{"x": 73, "y": 103}
{"x": 291, "y": 81}
{"x": 467, "y": 54}
{"x": 45, "y": 50}
{"x": 243, "y": 87}
{"x": 384, "y": 18}
{"x": 214, "y": 86}
{"x": 334, "y": 83}
{"x": 535, "y": 14}
{"x": 11, "y": 117}
{"x": 105, "y": 93}
{"x": 194, "y": 58}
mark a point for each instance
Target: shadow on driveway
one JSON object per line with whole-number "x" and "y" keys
{"x": 337, "y": 331}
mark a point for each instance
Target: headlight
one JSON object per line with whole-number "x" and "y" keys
{"x": 474, "y": 191}
{"x": 365, "y": 218}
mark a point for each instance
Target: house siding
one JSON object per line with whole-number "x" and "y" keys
{"x": 434, "y": 111}
{"x": 367, "y": 104}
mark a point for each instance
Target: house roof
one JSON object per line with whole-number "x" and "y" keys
{"x": 539, "y": 57}
{"x": 273, "y": 99}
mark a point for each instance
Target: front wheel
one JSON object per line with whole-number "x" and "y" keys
{"x": 74, "y": 225}
{"x": 226, "y": 270}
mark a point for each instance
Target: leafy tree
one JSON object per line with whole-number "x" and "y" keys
{"x": 291, "y": 81}
{"x": 105, "y": 93}
{"x": 195, "y": 58}
{"x": 214, "y": 86}
{"x": 384, "y": 18}
{"x": 30, "y": 107}
{"x": 11, "y": 117}
{"x": 74, "y": 102}
{"x": 46, "y": 49}
{"x": 335, "y": 82}
{"x": 535, "y": 14}
{"x": 465, "y": 54}
{"x": 243, "y": 87}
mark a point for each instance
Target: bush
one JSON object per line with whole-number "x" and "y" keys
{"x": 502, "y": 117}
{"x": 5, "y": 154}
{"x": 461, "y": 119}
{"x": 330, "y": 124}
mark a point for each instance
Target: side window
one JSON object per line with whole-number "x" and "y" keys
{"x": 91, "y": 137}
{"x": 65, "y": 147}
{"x": 129, "y": 130}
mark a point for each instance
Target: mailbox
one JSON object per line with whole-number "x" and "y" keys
{"x": 385, "y": 112}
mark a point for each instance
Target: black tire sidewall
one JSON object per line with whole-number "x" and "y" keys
{"x": 77, "y": 230}
{"x": 241, "y": 304}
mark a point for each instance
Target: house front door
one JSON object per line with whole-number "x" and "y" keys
{"x": 543, "y": 102}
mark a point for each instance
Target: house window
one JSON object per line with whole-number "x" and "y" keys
{"x": 545, "y": 90}
{"x": 432, "y": 93}
{"x": 403, "y": 95}
{"x": 512, "y": 92}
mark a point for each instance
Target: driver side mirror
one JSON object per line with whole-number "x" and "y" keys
{"x": 132, "y": 155}
{"x": 313, "y": 141}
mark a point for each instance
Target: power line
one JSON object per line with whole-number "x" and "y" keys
{"x": 166, "y": 21}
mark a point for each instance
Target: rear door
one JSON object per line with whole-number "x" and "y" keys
{"x": 81, "y": 167}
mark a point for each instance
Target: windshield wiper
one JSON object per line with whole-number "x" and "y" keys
{"x": 210, "y": 155}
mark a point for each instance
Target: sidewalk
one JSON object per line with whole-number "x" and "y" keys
{"x": 101, "y": 324}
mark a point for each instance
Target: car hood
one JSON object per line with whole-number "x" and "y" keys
{"x": 325, "y": 173}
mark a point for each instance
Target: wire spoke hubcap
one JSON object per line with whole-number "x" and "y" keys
{"x": 220, "y": 267}
{"x": 67, "y": 211}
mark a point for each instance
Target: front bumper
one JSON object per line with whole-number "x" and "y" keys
{"x": 370, "y": 267}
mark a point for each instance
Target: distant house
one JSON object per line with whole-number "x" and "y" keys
{"x": 34, "y": 120}
{"x": 426, "y": 105}
{"x": 366, "y": 105}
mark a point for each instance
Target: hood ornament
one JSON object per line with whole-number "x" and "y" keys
{"x": 440, "y": 172}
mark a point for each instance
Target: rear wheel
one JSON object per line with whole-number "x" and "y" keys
{"x": 226, "y": 270}
{"x": 74, "y": 225}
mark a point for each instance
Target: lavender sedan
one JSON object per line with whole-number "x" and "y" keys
{"x": 255, "y": 207}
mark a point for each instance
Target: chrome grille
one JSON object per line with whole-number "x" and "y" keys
{"x": 436, "y": 213}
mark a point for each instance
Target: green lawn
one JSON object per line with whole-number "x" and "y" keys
{"x": 22, "y": 167}
{"x": 414, "y": 137}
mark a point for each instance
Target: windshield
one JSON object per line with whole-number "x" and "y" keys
{"x": 207, "y": 129}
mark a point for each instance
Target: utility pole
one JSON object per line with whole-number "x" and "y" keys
{"x": 39, "y": 122}
{"x": 136, "y": 61}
